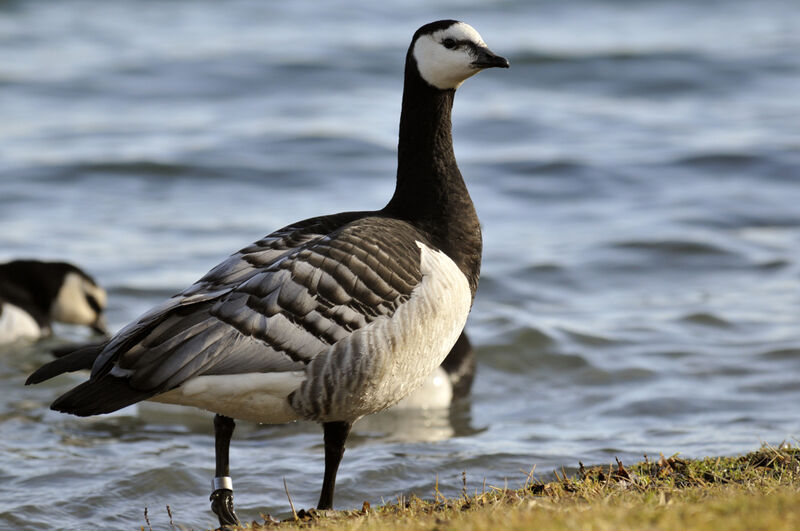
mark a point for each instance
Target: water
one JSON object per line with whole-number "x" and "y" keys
{"x": 636, "y": 172}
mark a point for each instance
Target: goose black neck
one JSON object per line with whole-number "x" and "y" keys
{"x": 430, "y": 191}
{"x": 427, "y": 172}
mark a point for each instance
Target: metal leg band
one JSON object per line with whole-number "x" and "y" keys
{"x": 222, "y": 482}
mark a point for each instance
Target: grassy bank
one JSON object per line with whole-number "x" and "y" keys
{"x": 760, "y": 490}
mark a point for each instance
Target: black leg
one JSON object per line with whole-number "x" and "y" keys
{"x": 222, "y": 497}
{"x": 335, "y": 436}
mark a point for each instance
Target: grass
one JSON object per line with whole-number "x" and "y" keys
{"x": 760, "y": 490}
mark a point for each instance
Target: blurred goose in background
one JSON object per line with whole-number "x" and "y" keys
{"x": 34, "y": 294}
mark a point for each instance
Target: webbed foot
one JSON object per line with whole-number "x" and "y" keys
{"x": 222, "y": 502}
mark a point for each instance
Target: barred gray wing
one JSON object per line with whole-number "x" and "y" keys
{"x": 274, "y": 306}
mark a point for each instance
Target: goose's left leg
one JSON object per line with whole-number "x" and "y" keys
{"x": 335, "y": 436}
{"x": 222, "y": 497}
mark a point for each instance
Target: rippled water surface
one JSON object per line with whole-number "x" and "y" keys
{"x": 637, "y": 173}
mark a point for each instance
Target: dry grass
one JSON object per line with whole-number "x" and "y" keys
{"x": 760, "y": 490}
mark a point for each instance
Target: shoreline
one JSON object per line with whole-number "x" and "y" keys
{"x": 758, "y": 490}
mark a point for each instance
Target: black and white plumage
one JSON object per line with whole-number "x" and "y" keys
{"x": 34, "y": 294}
{"x": 328, "y": 319}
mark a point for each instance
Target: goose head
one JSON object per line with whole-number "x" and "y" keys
{"x": 80, "y": 301}
{"x": 447, "y": 52}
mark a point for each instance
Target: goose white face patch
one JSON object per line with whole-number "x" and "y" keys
{"x": 443, "y": 67}
{"x": 72, "y": 304}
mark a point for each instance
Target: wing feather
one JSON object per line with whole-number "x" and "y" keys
{"x": 273, "y": 306}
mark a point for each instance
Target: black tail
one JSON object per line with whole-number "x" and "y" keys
{"x": 72, "y": 348}
{"x": 70, "y": 359}
{"x": 97, "y": 396}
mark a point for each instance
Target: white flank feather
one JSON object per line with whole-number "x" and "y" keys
{"x": 258, "y": 397}
{"x": 16, "y": 323}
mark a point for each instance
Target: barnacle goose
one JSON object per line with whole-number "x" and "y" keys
{"x": 328, "y": 319}
{"x": 34, "y": 294}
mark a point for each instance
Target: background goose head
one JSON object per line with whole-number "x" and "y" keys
{"x": 54, "y": 292}
{"x": 80, "y": 301}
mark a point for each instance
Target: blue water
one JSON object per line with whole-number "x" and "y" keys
{"x": 637, "y": 173}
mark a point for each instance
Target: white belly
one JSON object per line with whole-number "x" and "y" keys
{"x": 16, "y": 323}
{"x": 256, "y": 397}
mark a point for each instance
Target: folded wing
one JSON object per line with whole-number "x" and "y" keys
{"x": 272, "y": 307}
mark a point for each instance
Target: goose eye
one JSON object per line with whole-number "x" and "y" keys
{"x": 449, "y": 43}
